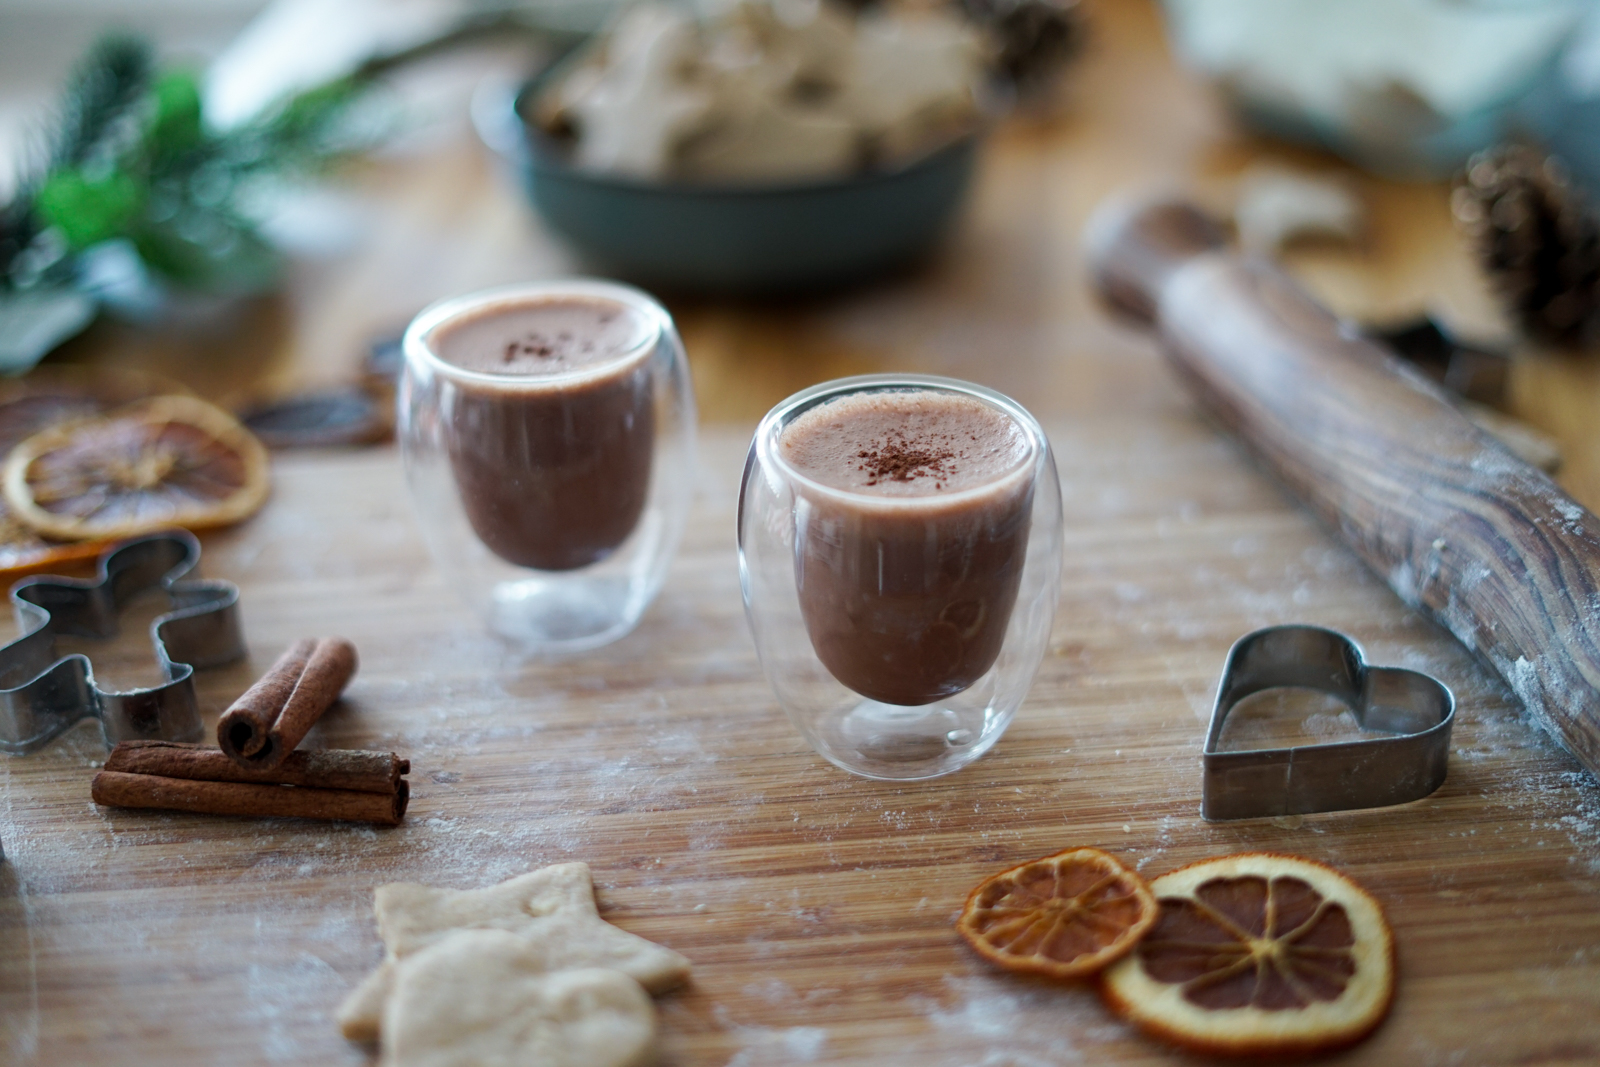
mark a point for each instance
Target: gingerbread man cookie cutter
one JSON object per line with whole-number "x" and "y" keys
{"x": 1416, "y": 709}
{"x": 42, "y": 694}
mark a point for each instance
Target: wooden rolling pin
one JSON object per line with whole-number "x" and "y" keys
{"x": 1487, "y": 545}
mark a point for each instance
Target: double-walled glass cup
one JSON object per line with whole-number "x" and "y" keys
{"x": 900, "y": 632}
{"x": 552, "y": 498}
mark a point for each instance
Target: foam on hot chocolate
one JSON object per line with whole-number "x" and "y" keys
{"x": 552, "y": 450}
{"x": 904, "y": 444}
{"x": 907, "y": 583}
{"x": 540, "y": 338}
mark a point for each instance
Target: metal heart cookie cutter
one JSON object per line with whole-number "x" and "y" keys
{"x": 1417, "y": 709}
{"x": 42, "y": 694}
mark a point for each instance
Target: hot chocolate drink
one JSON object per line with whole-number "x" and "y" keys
{"x": 550, "y": 431}
{"x": 911, "y": 534}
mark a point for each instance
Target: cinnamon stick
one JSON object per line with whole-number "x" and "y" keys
{"x": 352, "y": 769}
{"x": 273, "y": 716}
{"x": 243, "y": 729}
{"x": 122, "y": 790}
{"x": 328, "y": 671}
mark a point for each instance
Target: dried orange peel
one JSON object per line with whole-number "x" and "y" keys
{"x": 1258, "y": 953}
{"x": 167, "y": 461}
{"x": 1066, "y": 915}
{"x": 24, "y": 552}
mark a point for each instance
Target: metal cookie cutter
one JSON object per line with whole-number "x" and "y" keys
{"x": 1417, "y": 709}
{"x": 41, "y": 695}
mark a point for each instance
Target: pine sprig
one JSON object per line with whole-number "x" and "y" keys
{"x": 17, "y": 231}
{"x": 106, "y": 86}
{"x": 103, "y": 93}
{"x": 130, "y": 158}
{"x": 131, "y": 161}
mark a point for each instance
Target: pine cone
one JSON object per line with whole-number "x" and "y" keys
{"x": 1537, "y": 238}
{"x": 1035, "y": 38}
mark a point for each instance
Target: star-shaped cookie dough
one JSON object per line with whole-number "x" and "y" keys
{"x": 480, "y": 997}
{"x": 553, "y": 909}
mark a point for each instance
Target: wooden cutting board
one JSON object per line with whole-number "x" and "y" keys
{"x": 817, "y": 907}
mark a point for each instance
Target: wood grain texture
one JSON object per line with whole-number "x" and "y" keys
{"x": 1458, "y": 526}
{"x": 818, "y": 907}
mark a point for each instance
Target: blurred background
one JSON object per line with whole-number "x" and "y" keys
{"x": 268, "y": 192}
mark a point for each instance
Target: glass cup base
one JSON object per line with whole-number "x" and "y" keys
{"x": 561, "y": 616}
{"x": 895, "y": 743}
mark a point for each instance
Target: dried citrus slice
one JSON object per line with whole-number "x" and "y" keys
{"x": 1258, "y": 953}
{"x": 1065, "y": 915}
{"x": 166, "y": 461}
{"x": 46, "y": 397}
{"x": 24, "y": 552}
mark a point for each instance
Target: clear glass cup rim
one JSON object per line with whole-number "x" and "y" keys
{"x": 771, "y": 428}
{"x": 415, "y": 348}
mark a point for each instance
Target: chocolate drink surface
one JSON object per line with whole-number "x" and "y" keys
{"x": 911, "y": 540}
{"x": 551, "y": 437}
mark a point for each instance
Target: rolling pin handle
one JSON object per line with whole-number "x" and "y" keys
{"x": 1381, "y": 455}
{"x": 1135, "y": 244}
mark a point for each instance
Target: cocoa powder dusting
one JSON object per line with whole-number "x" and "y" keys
{"x": 541, "y": 347}
{"x": 535, "y": 345}
{"x": 899, "y": 458}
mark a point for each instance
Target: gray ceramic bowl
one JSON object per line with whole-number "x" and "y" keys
{"x": 733, "y": 239}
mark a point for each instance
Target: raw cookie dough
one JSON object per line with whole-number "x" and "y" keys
{"x": 912, "y": 81}
{"x": 553, "y": 909}
{"x": 766, "y": 140}
{"x": 761, "y": 91}
{"x": 483, "y": 998}
{"x": 636, "y": 108}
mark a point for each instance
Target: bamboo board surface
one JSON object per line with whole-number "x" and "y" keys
{"x": 817, "y": 907}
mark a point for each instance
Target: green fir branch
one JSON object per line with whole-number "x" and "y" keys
{"x": 105, "y": 87}
{"x": 130, "y": 159}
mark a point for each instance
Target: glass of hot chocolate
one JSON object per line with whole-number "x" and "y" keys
{"x": 900, "y": 557}
{"x": 548, "y": 437}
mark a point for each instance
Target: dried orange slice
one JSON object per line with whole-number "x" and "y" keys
{"x": 46, "y": 397}
{"x": 1065, "y": 915}
{"x": 1258, "y": 953}
{"x": 166, "y": 461}
{"x": 24, "y": 552}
